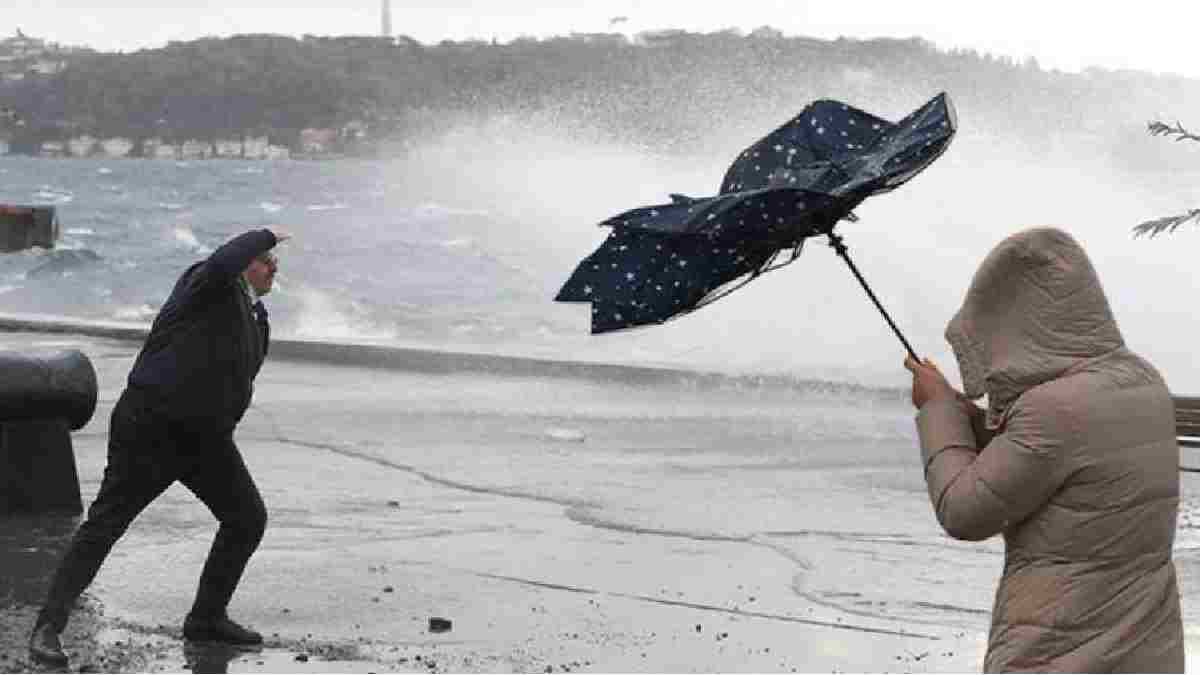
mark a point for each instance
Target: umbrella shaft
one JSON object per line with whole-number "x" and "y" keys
{"x": 836, "y": 242}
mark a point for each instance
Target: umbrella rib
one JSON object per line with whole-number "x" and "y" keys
{"x": 751, "y": 276}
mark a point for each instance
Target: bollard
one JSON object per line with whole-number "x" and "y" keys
{"x": 42, "y": 399}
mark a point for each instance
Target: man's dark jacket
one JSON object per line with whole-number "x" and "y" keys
{"x": 207, "y": 343}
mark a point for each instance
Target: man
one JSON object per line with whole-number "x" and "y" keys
{"x": 189, "y": 387}
{"x": 1074, "y": 461}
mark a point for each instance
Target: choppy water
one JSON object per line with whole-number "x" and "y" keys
{"x": 367, "y": 263}
{"x": 463, "y": 244}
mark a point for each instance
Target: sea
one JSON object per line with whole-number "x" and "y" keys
{"x": 794, "y": 425}
{"x": 462, "y": 244}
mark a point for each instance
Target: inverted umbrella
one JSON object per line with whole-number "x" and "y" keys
{"x": 799, "y": 181}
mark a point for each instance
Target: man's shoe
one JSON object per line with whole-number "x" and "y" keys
{"x": 45, "y": 647}
{"x": 219, "y": 629}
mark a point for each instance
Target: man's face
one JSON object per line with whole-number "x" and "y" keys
{"x": 261, "y": 273}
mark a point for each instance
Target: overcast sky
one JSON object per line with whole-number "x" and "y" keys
{"x": 1062, "y": 34}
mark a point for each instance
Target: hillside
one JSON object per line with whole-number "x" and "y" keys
{"x": 666, "y": 92}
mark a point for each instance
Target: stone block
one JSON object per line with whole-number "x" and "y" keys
{"x": 23, "y": 227}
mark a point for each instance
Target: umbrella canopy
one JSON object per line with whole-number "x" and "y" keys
{"x": 800, "y": 180}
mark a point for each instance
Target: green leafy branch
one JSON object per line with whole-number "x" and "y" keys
{"x": 1169, "y": 223}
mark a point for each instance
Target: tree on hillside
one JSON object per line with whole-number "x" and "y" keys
{"x": 1168, "y": 223}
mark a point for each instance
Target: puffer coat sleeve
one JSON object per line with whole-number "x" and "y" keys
{"x": 977, "y": 494}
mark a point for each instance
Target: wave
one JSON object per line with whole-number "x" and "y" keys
{"x": 184, "y": 237}
{"x": 55, "y": 196}
{"x": 143, "y": 312}
{"x": 325, "y": 318}
{"x": 63, "y": 262}
{"x": 431, "y": 209}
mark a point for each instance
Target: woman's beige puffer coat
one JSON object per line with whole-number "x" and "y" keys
{"x": 1074, "y": 461}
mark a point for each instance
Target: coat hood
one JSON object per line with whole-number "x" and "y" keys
{"x": 1034, "y": 310}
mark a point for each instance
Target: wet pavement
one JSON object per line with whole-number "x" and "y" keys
{"x": 559, "y": 523}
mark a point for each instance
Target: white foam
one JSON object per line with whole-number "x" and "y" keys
{"x": 565, "y": 435}
{"x": 185, "y": 238}
{"x": 136, "y": 313}
{"x": 52, "y": 195}
{"x": 434, "y": 210}
{"x": 323, "y": 317}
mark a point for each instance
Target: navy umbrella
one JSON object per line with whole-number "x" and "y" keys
{"x": 799, "y": 181}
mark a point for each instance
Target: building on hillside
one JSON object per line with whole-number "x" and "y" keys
{"x": 615, "y": 39}
{"x": 193, "y": 149}
{"x": 317, "y": 141}
{"x": 667, "y": 37}
{"x": 53, "y": 149}
{"x": 45, "y": 66}
{"x": 165, "y": 151}
{"x": 116, "y": 147}
{"x": 156, "y": 148}
{"x": 352, "y": 41}
{"x": 22, "y": 55}
{"x": 355, "y": 131}
{"x": 22, "y": 46}
{"x": 81, "y": 146}
{"x": 766, "y": 33}
{"x": 259, "y": 147}
{"x": 225, "y": 148}
{"x": 255, "y": 147}
{"x": 148, "y": 147}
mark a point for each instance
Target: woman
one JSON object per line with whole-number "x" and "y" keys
{"x": 1074, "y": 461}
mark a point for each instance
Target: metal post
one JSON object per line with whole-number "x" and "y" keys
{"x": 836, "y": 242}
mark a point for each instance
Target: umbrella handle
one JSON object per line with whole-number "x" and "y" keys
{"x": 840, "y": 248}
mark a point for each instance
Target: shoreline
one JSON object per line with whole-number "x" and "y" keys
{"x": 426, "y": 359}
{"x": 123, "y": 158}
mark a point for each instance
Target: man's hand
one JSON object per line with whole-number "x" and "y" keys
{"x": 928, "y": 382}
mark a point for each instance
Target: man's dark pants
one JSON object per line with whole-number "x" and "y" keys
{"x": 146, "y": 454}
